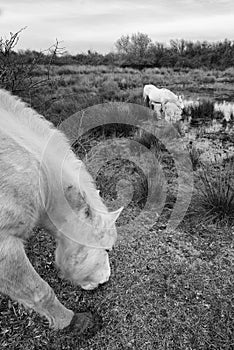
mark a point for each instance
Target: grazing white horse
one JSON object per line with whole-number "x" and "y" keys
{"x": 43, "y": 183}
{"x": 172, "y": 113}
{"x": 153, "y": 95}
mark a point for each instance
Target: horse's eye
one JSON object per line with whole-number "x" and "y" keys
{"x": 87, "y": 212}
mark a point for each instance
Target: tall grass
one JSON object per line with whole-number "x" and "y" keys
{"x": 194, "y": 154}
{"x": 203, "y": 112}
{"x": 214, "y": 200}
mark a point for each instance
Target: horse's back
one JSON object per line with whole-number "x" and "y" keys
{"x": 155, "y": 94}
{"x": 168, "y": 94}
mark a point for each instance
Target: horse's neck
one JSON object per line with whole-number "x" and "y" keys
{"x": 49, "y": 146}
{"x": 85, "y": 183}
{"x": 23, "y": 124}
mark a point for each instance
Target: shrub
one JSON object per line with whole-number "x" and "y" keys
{"x": 209, "y": 79}
{"x": 109, "y": 90}
{"x": 203, "y": 112}
{"x": 17, "y": 70}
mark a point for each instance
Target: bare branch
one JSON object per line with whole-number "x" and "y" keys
{"x": 17, "y": 68}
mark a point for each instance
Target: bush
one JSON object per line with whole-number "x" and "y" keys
{"x": 109, "y": 90}
{"x": 203, "y": 112}
{"x": 17, "y": 70}
{"x": 209, "y": 80}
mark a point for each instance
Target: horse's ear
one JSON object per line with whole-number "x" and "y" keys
{"x": 113, "y": 216}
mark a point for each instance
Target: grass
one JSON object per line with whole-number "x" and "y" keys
{"x": 168, "y": 290}
{"x": 194, "y": 154}
{"x": 76, "y": 85}
{"x": 215, "y": 194}
{"x": 202, "y": 113}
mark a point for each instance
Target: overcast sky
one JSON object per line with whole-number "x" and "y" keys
{"x": 97, "y": 24}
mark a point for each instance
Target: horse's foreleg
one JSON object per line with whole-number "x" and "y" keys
{"x": 147, "y": 101}
{"x": 20, "y": 281}
{"x": 163, "y": 109}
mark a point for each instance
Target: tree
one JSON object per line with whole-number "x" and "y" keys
{"x": 140, "y": 44}
{"x": 178, "y": 46}
{"x": 134, "y": 50}
{"x": 123, "y": 45}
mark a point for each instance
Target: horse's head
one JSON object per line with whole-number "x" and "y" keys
{"x": 86, "y": 264}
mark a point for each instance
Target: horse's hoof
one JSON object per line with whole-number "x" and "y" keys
{"x": 84, "y": 323}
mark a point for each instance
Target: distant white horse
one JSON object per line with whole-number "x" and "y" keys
{"x": 172, "y": 113}
{"x": 43, "y": 183}
{"x": 153, "y": 95}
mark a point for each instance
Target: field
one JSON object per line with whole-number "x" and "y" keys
{"x": 169, "y": 289}
{"x": 73, "y": 88}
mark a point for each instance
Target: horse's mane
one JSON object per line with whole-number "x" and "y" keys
{"x": 35, "y": 129}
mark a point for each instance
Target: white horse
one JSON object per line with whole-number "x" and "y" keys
{"x": 172, "y": 113}
{"x": 153, "y": 95}
{"x": 43, "y": 183}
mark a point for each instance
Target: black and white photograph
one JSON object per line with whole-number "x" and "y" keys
{"x": 116, "y": 175}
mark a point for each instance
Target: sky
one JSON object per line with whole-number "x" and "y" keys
{"x": 82, "y": 25}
